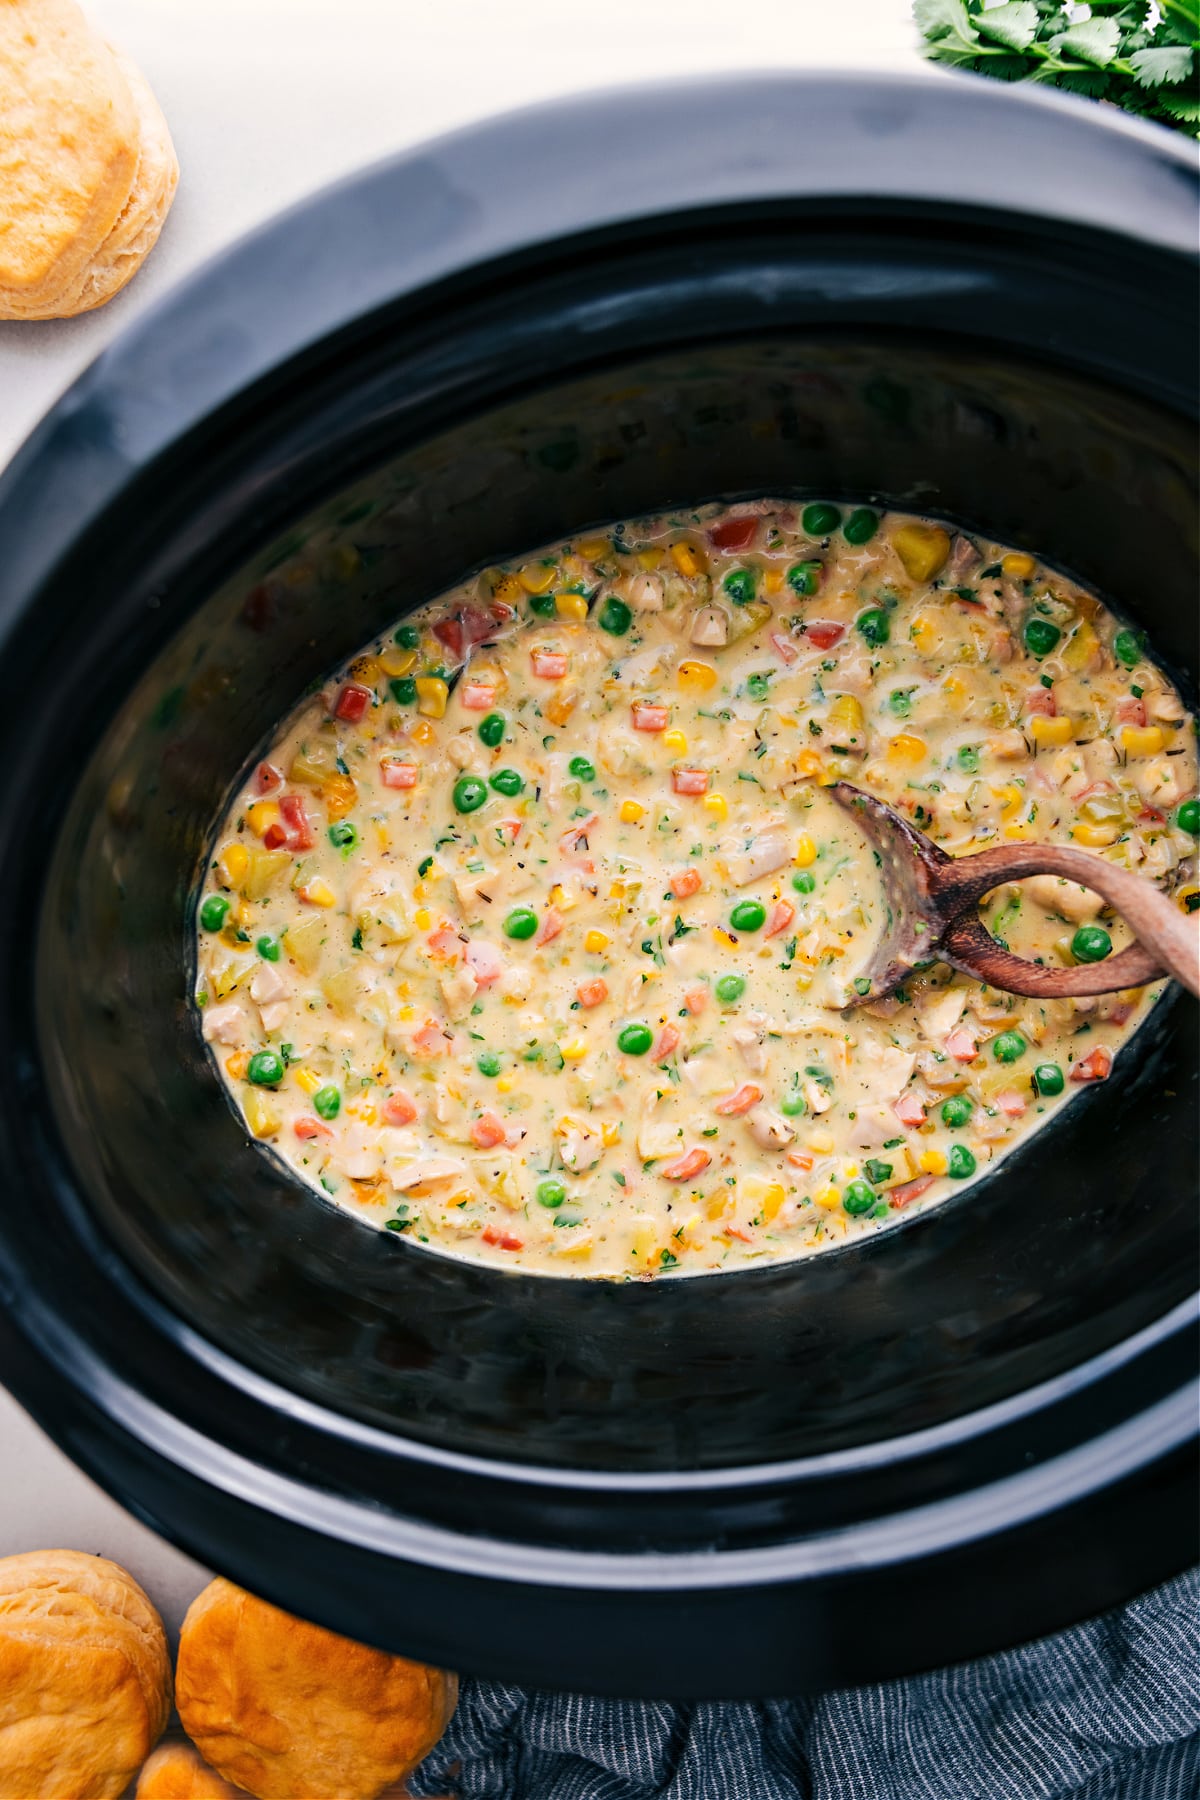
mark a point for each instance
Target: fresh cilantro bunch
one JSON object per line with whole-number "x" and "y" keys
{"x": 1141, "y": 55}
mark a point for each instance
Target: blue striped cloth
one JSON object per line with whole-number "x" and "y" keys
{"x": 1109, "y": 1710}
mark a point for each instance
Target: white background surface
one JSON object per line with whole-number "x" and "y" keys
{"x": 267, "y": 100}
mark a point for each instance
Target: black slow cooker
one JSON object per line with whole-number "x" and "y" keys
{"x": 964, "y": 299}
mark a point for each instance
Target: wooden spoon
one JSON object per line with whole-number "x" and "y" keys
{"x": 932, "y": 900}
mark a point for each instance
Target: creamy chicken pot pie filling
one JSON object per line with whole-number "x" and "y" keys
{"x": 533, "y": 935}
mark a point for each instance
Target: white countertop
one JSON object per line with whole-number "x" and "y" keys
{"x": 267, "y": 100}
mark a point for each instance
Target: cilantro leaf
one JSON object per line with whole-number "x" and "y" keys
{"x": 1164, "y": 67}
{"x": 1015, "y": 26}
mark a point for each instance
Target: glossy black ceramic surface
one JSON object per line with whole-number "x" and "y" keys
{"x": 865, "y": 1463}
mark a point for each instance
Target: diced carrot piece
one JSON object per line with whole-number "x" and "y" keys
{"x": 784, "y": 647}
{"x": 737, "y": 1232}
{"x": 650, "y": 718}
{"x": 961, "y": 1044}
{"x": 696, "y": 999}
{"x": 399, "y": 1109}
{"x": 550, "y": 665}
{"x": 274, "y": 837}
{"x": 689, "y": 781}
{"x": 486, "y": 963}
{"x": 782, "y": 914}
{"x": 430, "y": 1040}
{"x": 310, "y": 1128}
{"x": 504, "y": 1240}
{"x": 1011, "y": 1104}
{"x": 445, "y": 943}
{"x": 683, "y": 1168}
{"x": 666, "y": 1042}
{"x": 352, "y": 702}
{"x": 685, "y": 883}
{"x": 824, "y": 633}
{"x": 477, "y": 696}
{"x": 296, "y": 823}
{"x": 592, "y": 993}
{"x": 509, "y": 828}
{"x": 800, "y": 1159}
{"x": 487, "y": 1131}
{"x": 267, "y": 778}
{"x": 740, "y": 1101}
{"x": 909, "y": 1111}
{"x": 576, "y": 833}
{"x": 397, "y": 774}
{"x": 551, "y": 927}
{"x": 734, "y": 534}
{"x": 909, "y": 1191}
{"x": 1096, "y": 1066}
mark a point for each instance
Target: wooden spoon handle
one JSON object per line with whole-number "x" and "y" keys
{"x": 1167, "y": 941}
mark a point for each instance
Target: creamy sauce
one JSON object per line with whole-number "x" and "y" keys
{"x": 534, "y": 934}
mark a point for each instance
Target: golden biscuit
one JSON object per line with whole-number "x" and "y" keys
{"x": 85, "y": 1679}
{"x": 87, "y": 168}
{"x": 176, "y": 1772}
{"x": 286, "y": 1709}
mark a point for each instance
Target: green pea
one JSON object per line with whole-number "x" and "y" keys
{"x": 730, "y": 988}
{"x": 491, "y": 730}
{"x": 635, "y": 1040}
{"x": 803, "y": 882}
{"x": 861, "y": 526}
{"x": 506, "y": 781}
{"x": 1009, "y": 1046}
{"x": 212, "y": 913}
{"x": 614, "y": 617}
{"x": 1091, "y": 943}
{"x": 542, "y": 604}
{"x": 967, "y": 757}
{"x": 520, "y": 923}
{"x": 739, "y": 584}
{"x": 956, "y": 1111}
{"x": 874, "y": 625}
{"x": 550, "y": 1193}
{"x": 962, "y": 1162}
{"x": 403, "y": 690}
{"x": 748, "y": 915}
{"x": 469, "y": 793}
{"x": 804, "y": 577}
{"x": 268, "y": 948}
{"x": 581, "y": 769}
{"x": 343, "y": 836}
{"x": 858, "y": 1197}
{"x": 1040, "y": 636}
{"x": 327, "y": 1102}
{"x": 265, "y": 1069}
{"x": 821, "y": 519}
{"x": 758, "y": 686}
{"x": 1127, "y": 648}
{"x": 900, "y": 702}
{"x": 408, "y": 637}
{"x": 1048, "y": 1078}
{"x": 793, "y": 1103}
{"x": 1188, "y": 817}
{"x": 488, "y": 1064}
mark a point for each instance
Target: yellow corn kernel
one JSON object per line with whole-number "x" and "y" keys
{"x": 829, "y": 1198}
{"x": 821, "y": 1141}
{"x": 559, "y": 708}
{"x": 956, "y": 689}
{"x": 631, "y": 812}
{"x": 395, "y": 662}
{"x": 1095, "y": 837}
{"x": 773, "y": 580}
{"x": 1047, "y": 732}
{"x": 699, "y": 676}
{"x": 1013, "y": 799}
{"x": 922, "y": 549}
{"x": 432, "y": 694}
{"x": 775, "y": 1196}
{"x": 507, "y": 589}
{"x": 339, "y": 794}
{"x": 1080, "y": 647}
{"x": 688, "y": 558}
{"x": 317, "y": 893}
{"x": 232, "y": 864}
{"x": 405, "y": 1013}
{"x": 809, "y": 765}
{"x": 595, "y": 941}
{"x": 924, "y": 634}
{"x": 243, "y": 913}
{"x": 1142, "y": 740}
{"x": 933, "y": 1162}
{"x": 906, "y": 748}
{"x": 610, "y": 1133}
{"x": 724, "y": 937}
{"x": 505, "y": 1084}
{"x": 675, "y": 742}
{"x": 423, "y": 733}
{"x": 717, "y": 805}
{"x": 1020, "y": 831}
{"x": 594, "y": 548}
{"x": 346, "y": 561}
{"x": 651, "y": 557}
{"x": 571, "y": 606}
{"x": 575, "y": 1049}
{"x": 262, "y": 1118}
{"x": 237, "y": 1064}
{"x": 422, "y": 918}
{"x": 806, "y": 851}
{"x": 846, "y": 718}
{"x": 1017, "y": 566}
{"x": 1188, "y": 899}
{"x": 718, "y": 1205}
{"x": 366, "y": 669}
{"x": 262, "y": 815}
{"x": 575, "y": 1246}
{"x": 537, "y": 577}
{"x": 305, "y": 1079}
